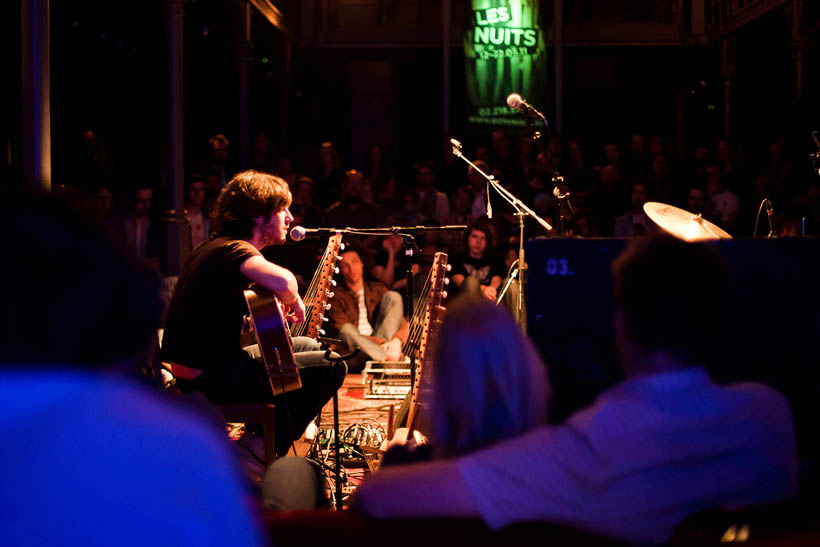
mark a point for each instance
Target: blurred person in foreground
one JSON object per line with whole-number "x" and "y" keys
{"x": 96, "y": 454}
{"x": 663, "y": 444}
{"x": 487, "y": 383}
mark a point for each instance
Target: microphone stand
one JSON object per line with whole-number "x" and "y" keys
{"x": 556, "y": 179}
{"x": 521, "y": 211}
{"x": 560, "y": 200}
{"x": 337, "y": 446}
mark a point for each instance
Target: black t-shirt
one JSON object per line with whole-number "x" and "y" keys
{"x": 204, "y": 321}
{"x": 483, "y": 269}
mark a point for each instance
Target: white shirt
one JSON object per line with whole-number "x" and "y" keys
{"x": 647, "y": 453}
{"x": 364, "y": 327}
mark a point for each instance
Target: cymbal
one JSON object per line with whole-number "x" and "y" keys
{"x": 683, "y": 224}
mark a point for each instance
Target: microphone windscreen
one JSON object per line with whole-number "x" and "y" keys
{"x": 297, "y": 233}
{"x": 514, "y": 100}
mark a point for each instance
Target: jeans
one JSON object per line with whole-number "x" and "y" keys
{"x": 387, "y": 322}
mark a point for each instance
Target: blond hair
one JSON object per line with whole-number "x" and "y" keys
{"x": 489, "y": 382}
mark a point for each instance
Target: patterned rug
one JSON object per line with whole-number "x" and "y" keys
{"x": 355, "y": 409}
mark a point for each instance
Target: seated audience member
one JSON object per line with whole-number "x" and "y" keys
{"x": 696, "y": 200}
{"x": 139, "y": 230}
{"x": 432, "y": 203}
{"x": 408, "y": 213}
{"x": 390, "y": 264}
{"x": 328, "y": 177}
{"x": 382, "y": 178}
{"x": 453, "y": 241}
{"x": 723, "y": 205}
{"x": 583, "y": 223}
{"x": 488, "y": 381}
{"x": 353, "y": 210}
{"x": 665, "y": 443}
{"x": 194, "y": 201}
{"x": 635, "y": 222}
{"x": 365, "y": 310}
{"x": 95, "y": 455}
{"x": 539, "y": 183}
{"x": 305, "y": 213}
{"x": 477, "y": 272}
{"x": 219, "y": 159}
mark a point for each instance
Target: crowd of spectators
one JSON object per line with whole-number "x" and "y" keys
{"x": 607, "y": 188}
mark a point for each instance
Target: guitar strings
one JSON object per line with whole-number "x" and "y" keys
{"x": 410, "y": 346}
{"x": 421, "y": 313}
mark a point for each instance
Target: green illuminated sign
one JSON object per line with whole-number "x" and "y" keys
{"x": 505, "y": 52}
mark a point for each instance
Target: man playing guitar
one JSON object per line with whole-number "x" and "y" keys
{"x": 205, "y": 316}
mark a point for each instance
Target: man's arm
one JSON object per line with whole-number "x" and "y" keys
{"x": 424, "y": 489}
{"x": 277, "y": 279}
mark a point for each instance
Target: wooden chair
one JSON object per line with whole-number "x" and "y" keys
{"x": 247, "y": 413}
{"x": 254, "y": 413}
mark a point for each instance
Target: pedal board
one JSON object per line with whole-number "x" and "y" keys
{"x": 386, "y": 379}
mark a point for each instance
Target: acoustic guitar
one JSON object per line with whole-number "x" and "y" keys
{"x": 271, "y": 331}
{"x": 273, "y": 337}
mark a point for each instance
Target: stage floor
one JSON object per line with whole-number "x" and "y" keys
{"x": 361, "y": 421}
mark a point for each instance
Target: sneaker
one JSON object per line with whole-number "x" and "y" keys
{"x": 311, "y": 431}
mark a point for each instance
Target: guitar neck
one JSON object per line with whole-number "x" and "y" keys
{"x": 319, "y": 291}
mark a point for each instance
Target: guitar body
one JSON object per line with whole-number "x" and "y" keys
{"x": 273, "y": 338}
{"x": 270, "y": 330}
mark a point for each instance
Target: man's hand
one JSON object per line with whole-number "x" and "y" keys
{"x": 489, "y": 292}
{"x": 392, "y": 244}
{"x": 400, "y": 439}
{"x": 392, "y": 350}
{"x": 295, "y": 311}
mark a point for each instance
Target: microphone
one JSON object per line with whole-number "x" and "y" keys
{"x": 514, "y": 100}
{"x": 298, "y": 233}
{"x": 457, "y": 144}
{"x": 557, "y": 193}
